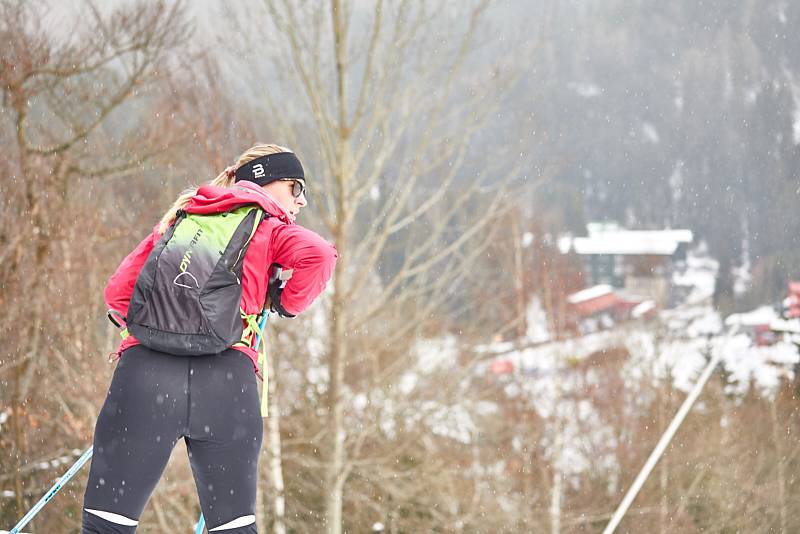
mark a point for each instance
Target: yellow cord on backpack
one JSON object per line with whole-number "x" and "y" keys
{"x": 253, "y": 328}
{"x": 262, "y": 364}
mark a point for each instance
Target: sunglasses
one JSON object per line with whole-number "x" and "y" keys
{"x": 298, "y": 187}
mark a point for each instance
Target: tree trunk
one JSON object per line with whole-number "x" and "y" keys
{"x": 776, "y": 436}
{"x": 663, "y": 420}
{"x": 334, "y": 482}
{"x": 17, "y": 430}
{"x": 556, "y": 490}
{"x": 555, "y": 502}
{"x": 335, "y": 436}
{"x": 261, "y": 508}
{"x": 275, "y": 461}
{"x": 519, "y": 278}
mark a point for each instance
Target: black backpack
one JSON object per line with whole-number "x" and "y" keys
{"x": 187, "y": 296}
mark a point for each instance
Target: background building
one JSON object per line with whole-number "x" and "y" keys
{"x": 639, "y": 261}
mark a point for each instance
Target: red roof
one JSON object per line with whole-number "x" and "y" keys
{"x": 502, "y": 367}
{"x": 596, "y": 305}
{"x": 597, "y": 299}
{"x": 794, "y": 300}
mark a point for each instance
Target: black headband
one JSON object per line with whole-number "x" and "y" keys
{"x": 271, "y": 167}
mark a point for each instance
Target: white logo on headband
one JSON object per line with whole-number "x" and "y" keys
{"x": 258, "y": 171}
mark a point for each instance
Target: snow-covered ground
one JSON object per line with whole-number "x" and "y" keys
{"x": 676, "y": 347}
{"x": 553, "y": 376}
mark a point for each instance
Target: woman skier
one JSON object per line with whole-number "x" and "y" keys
{"x": 190, "y": 295}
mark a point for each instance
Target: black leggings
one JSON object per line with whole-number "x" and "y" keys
{"x": 154, "y": 399}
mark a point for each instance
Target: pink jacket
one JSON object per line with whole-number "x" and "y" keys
{"x": 277, "y": 240}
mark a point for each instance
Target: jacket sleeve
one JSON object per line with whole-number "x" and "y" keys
{"x": 311, "y": 259}
{"x": 119, "y": 288}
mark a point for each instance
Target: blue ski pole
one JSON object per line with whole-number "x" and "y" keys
{"x": 49, "y": 495}
{"x": 262, "y": 324}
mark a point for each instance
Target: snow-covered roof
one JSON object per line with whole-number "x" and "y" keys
{"x": 612, "y": 240}
{"x": 642, "y": 308}
{"x": 759, "y": 316}
{"x": 590, "y": 293}
{"x": 791, "y": 326}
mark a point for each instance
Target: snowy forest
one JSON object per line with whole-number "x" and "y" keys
{"x": 550, "y": 215}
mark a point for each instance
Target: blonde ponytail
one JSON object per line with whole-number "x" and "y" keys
{"x": 225, "y": 179}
